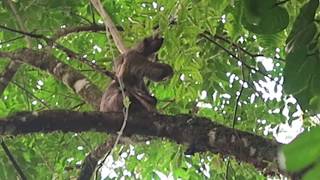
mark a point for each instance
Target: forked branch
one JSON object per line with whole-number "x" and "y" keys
{"x": 110, "y": 27}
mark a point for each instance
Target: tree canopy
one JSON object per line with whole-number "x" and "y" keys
{"x": 244, "y": 72}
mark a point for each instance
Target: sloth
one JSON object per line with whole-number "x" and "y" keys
{"x": 132, "y": 67}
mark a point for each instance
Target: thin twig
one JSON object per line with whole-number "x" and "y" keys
{"x": 78, "y": 106}
{"x": 235, "y": 112}
{"x": 236, "y": 105}
{"x": 236, "y": 58}
{"x": 92, "y": 14}
{"x": 27, "y": 38}
{"x": 216, "y": 36}
{"x": 281, "y": 2}
{"x": 231, "y": 54}
{"x": 66, "y": 95}
{"x": 66, "y": 31}
{"x": 20, "y": 22}
{"x": 83, "y": 59}
{"x": 30, "y": 94}
{"x": 81, "y": 17}
{"x": 234, "y": 45}
{"x": 10, "y": 40}
{"x": 33, "y": 35}
{"x": 167, "y": 103}
{"x": 12, "y": 159}
{"x": 13, "y": 66}
{"x": 68, "y": 51}
{"x": 120, "y": 132}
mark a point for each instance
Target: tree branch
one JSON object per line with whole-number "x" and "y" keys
{"x": 205, "y": 134}
{"x": 66, "y": 31}
{"x": 13, "y": 66}
{"x": 20, "y": 22}
{"x": 235, "y": 45}
{"x": 68, "y": 51}
{"x": 85, "y": 28}
{"x": 121, "y": 47}
{"x": 110, "y": 26}
{"x": 13, "y": 160}
{"x": 235, "y": 113}
{"x": 11, "y": 40}
{"x": 238, "y": 59}
{"x": 216, "y": 36}
{"x": 33, "y": 35}
{"x": 8, "y": 74}
{"x": 91, "y": 160}
{"x": 31, "y": 95}
{"x": 86, "y": 61}
{"x": 66, "y": 74}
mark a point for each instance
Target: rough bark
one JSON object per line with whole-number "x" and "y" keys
{"x": 8, "y": 74}
{"x": 63, "y": 72}
{"x": 199, "y": 133}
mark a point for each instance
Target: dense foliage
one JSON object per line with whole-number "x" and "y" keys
{"x": 248, "y": 64}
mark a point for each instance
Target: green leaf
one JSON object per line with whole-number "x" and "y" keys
{"x": 315, "y": 104}
{"x": 255, "y": 8}
{"x": 303, "y": 151}
{"x": 313, "y": 173}
{"x": 315, "y": 83}
{"x": 306, "y": 16}
{"x": 297, "y": 71}
{"x": 263, "y": 17}
{"x": 181, "y": 173}
{"x": 302, "y": 37}
{"x": 303, "y": 98}
{"x": 219, "y": 5}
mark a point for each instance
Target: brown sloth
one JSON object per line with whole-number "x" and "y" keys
{"x": 131, "y": 67}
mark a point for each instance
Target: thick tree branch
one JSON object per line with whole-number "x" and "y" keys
{"x": 63, "y": 72}
{"x": 203, "y": 133}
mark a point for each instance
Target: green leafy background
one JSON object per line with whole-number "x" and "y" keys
{"x": 287, "y": 33}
